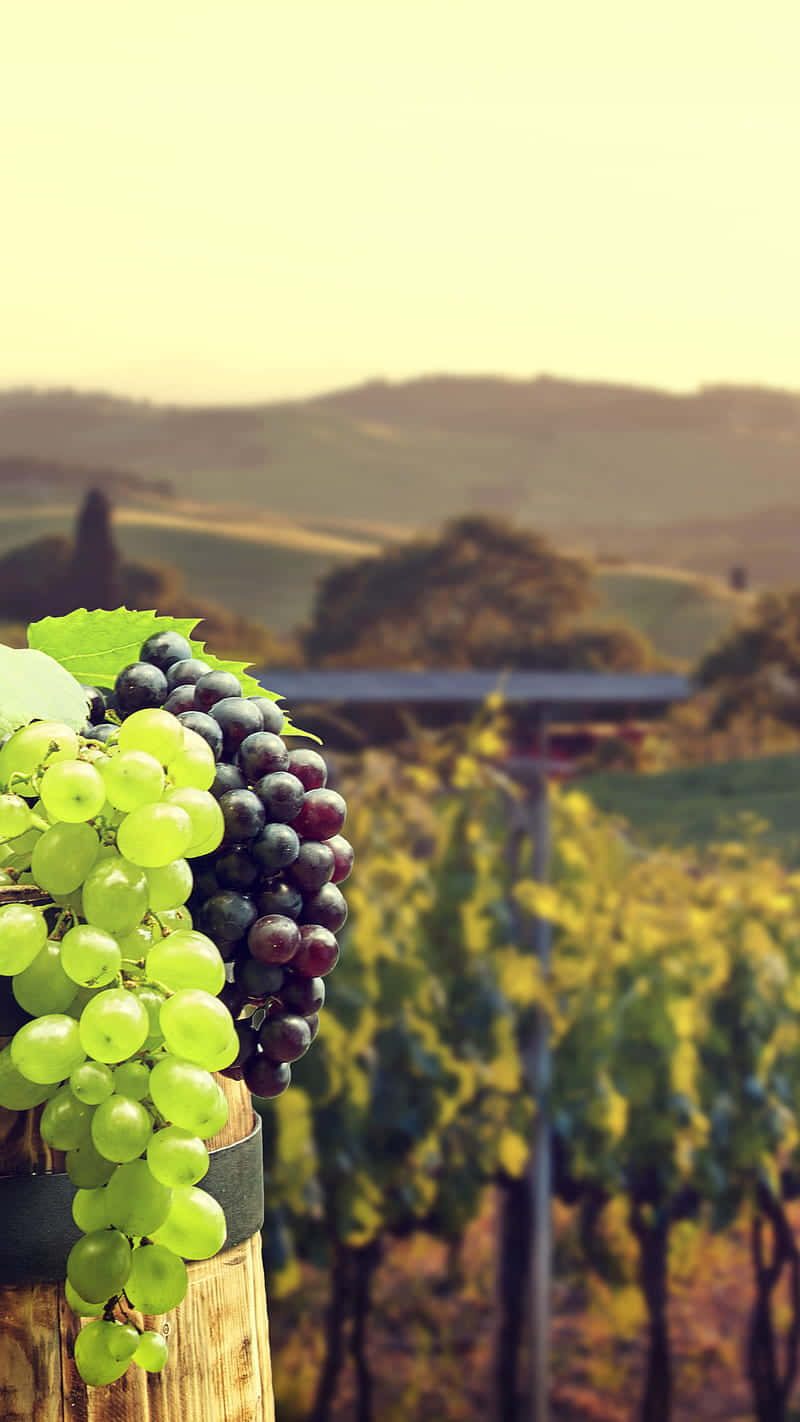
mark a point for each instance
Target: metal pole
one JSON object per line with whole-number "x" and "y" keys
{"x": 537, "y": 1059}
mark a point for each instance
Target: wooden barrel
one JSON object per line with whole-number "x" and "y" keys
{"x": 219, "y": 1363}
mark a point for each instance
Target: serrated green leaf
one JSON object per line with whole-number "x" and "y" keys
{"x": 34, "y": 687}
{"x": 96, "y": 646}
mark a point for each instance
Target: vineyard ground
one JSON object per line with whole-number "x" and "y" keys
{"x": 702, "y": 804}
{"x": 430, "y": 1349}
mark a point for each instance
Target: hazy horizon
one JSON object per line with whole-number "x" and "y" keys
{"x": 232, "y": 201}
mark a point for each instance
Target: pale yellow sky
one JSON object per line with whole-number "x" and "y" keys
{"x": 244, "y": 199}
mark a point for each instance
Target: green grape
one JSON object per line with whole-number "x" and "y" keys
{"x": 98, "y": 1264}
{"x": 186, "y": 959}
{"x": 90, "y": 1209}
{"x": 66, "y": 1121}
{"x": 151, "y": 999}
{"x": 152, "y": 1351}
{"x": 176, "y": 1157}
{"x": 91, "y": 1082}
{"x": 156, "y": 732}
{"x": 41, "y": 743}
{"x": 73, "y": 791}
{"x": 17, "y": 1093}
{"x": 113, "y": 1025}
{"x": 115, "y": 895}
{"x": 121, "y": 1128}
{"x": 198, "y": 1028}
{"x": 86, "y": 1167}
{"x": 170, "y": 886}
{"x": 23, "y": 847}
{"x": 194, "y": 766}
{"x": 188, "y": 1096}
{"x": 15, "y": 816}
{"x": 132, "y": 778}
{"x": 93, "y": 1358}
{"x": 137, "y": 1202}
{"x": 79, "y": 1001}
{"x": 205, "y": 815}
{"x": 73, "y": 902}
{"x": 44, "y": 986}
{"x": 139, "y": 941}
{"x": 63, "y": 856}
{"x": 158, "y": 1279}
{"x": 23, "y": 934}
{"x": 154, "y": 835}
{"x": 132, "y": 1079}
{"x": 48, "y": 1048}
{"x": 123, "y": 1341}
{"x": 195, "y": 1226}
{"x": 79, "y": 1305}
{"x": 172, "y": 919}
{"x": 90, "y": 956}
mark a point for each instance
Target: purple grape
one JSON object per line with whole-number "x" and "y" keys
{"x": 275, "y": 847}
{"x": 243, "y": 814}
{"x": 96, "y": 704}
{"x": 227, "y": 777}
{"x": 327, "y": 907}
{"x": 236, "y": 869}
{"x": 281, "y": 794}
{"x": 203, "y": 725}
{"x": 313, "y": 1021}
{"x": 280, "y": 898}
{"x": 186, "y": 672}
{"x": 139, "y": 686}
{"x": 302, "y": 995}
{"x": 260, "y": 754}
{"x": 163, "y": 649}
{"x": 322, "y": 815}
{"x": 213, "y": 687}
{"x": 237, "y": 719}
{"x": 285, "y": 1038}
{"x": 309, "y": 767}
{"x": 234, "y": 996}
{"x": 265, "y": 1078}
{"x": 273, "y": 938}
{"x": 271, "y": 713}
{"x": 313, "y": 866}
{"x": 343, "y": 858}
{"x": 104, "y": 731}
{"x": 180, "y": 700}
{"x": 318, "y": 952}
{"x": 226, "y": 916}
{"x": 260, "y": 980}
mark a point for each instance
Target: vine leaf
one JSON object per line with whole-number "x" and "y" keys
{"x": 34, "y": 687}
{"x": 96, "y": 646}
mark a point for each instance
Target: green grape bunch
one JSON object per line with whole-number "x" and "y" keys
{"x": 141, "y": 972}
{"x": 125, "y": 1026}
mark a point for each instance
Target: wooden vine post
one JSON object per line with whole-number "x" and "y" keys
{"x": 219, "y": 1368}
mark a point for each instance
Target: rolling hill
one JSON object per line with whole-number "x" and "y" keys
{"x": 699, "y": 480}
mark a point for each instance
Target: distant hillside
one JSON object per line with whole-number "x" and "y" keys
{"x": 270, "y": 574}
{"x": 24, "y": 476}
{"x": 700, "y": 480}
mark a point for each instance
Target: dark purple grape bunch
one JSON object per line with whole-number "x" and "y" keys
{"x": 269, "y": 896}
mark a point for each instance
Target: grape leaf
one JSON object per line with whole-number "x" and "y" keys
{"x": 34, "y": 686}
{"x": 96, "y": 646}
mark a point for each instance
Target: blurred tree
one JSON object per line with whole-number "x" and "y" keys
{"x": 755, "y": 671}
{"x": 481, "y": 593}
{"x": 93, "y": 578}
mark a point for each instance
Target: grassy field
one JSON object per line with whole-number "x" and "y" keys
{"x": 270, "y": 572}
{"x": 707, "y": 803}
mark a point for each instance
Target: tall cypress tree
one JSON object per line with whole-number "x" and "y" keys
{"x": 93, "y": 577}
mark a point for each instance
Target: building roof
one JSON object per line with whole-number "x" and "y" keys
{"x": 580, "y": 695}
